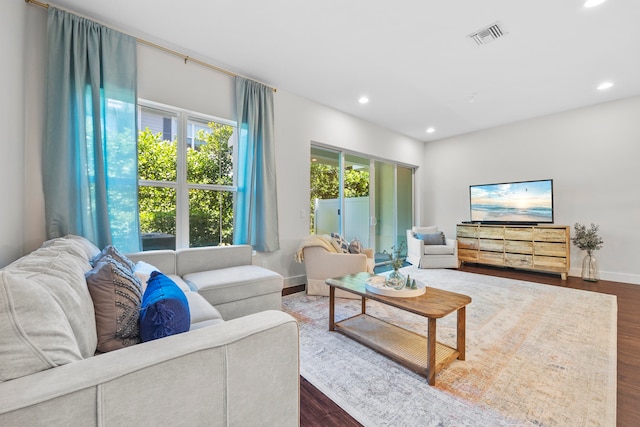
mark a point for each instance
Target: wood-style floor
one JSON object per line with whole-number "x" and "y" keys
{"x": 316, "y": 410}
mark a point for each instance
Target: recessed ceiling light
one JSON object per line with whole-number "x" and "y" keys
{"x": 605, "y": 85}
{"x": 593, "y": 3}
{"x": 363, "y": 100}
{"x": 430, "y": 130}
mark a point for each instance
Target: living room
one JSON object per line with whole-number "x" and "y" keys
{"x": 590, "y": 152}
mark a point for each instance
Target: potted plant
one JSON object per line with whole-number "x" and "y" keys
{"x": 588, "y": 240}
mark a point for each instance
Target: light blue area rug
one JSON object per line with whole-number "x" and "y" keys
{"x": 537, "y": 355}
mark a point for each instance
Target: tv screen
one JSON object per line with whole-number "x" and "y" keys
{"x": 525, "y": 202}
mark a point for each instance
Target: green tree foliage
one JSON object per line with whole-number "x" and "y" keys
{"x": 210, "y": 161}
{"x": 325, "y": 184}
{"x": 356, "y": 183}
{"x": 121, "y": 160}
{"x": 156, "y": 162}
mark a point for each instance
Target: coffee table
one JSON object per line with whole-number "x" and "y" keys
{"x": 423, "y": 355}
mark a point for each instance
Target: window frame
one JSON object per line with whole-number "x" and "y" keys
{"x": 181, "y": 185}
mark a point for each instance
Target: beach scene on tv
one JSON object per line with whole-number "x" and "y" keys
{"x": 513, "y": 202}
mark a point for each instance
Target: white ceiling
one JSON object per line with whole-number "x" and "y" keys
{"x": 412, "y": 58}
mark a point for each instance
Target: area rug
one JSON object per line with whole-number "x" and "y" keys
{"x": 536, "y": 355}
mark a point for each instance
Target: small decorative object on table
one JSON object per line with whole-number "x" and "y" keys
{"x": 410, "y": 284}
{"x": 396, "y": 280}
{"x": 378, "y": 285}
{"x": 588, "y": 240}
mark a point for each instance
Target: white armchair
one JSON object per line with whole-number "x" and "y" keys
{"x": 434, "y": 255}
{"x": 322, "y": 262}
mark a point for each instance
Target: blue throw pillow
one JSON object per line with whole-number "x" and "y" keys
{"x": 164, "y": 310}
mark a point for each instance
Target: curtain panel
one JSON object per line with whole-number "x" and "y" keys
{"x": 255, "y": 207}
{"x": 90, "y": 150}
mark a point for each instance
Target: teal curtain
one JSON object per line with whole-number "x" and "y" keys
{"x": 255, "y": 207}
{"x": 90, "y": 151}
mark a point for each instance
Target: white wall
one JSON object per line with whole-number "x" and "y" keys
{"x": 34, "y": 97}
{"x": 593, "y": 156}
{"x": 12, "y": 68}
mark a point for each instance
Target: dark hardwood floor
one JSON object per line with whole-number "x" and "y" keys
{"x": 316, "y": 410}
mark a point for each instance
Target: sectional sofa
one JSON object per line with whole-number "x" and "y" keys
{"x": 238, "y": 363}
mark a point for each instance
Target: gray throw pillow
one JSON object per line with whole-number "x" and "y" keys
{"x": 355, "y": 247}
{"x": 116, "y": 295}
{"x": 432, "y": 238}
{"x": 114, "y": 253}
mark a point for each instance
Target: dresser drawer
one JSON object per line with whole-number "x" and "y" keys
{"x": 491, "y": 245}
{"x": 518, "y": 260}
{"x": 518, "y": 247}
{"x": 550, "y": 249}
{"x": 550, "y": 263}
{"x": 491, "y": 233}
{"x": 495, "y": 258}
{"x": 516, "y": 233}
{"x": 550, "y": 235}
{"x": 466, "y": 231}
{"x": 468, "y": 255}
{"x": 467, "y": 243}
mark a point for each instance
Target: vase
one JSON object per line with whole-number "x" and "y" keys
{"x": 395, "y": 280}
{"x": 590, "y": 271}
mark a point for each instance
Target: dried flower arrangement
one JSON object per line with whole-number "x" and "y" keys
{"x": 587, "y": 239}
{"x": 397, "y": 257}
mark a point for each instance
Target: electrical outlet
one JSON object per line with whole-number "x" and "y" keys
{"x": 264, "y": 263}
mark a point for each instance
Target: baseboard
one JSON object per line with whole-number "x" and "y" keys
{"x": 295, "y": 280}
{"x": 633, "y": 279}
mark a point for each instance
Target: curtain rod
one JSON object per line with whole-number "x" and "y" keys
{"x": 172, "y": 52}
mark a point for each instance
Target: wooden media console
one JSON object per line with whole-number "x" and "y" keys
{"x": 539, "y": 247}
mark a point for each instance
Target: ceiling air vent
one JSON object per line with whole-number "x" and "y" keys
{"x": 487, "y": 34}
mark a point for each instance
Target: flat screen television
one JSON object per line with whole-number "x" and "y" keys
{"x": 524, "y": 203}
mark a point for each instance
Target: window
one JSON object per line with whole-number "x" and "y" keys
{"x": 186, "y": 170}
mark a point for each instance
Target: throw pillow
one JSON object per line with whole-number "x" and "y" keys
{"x": 355, "y": 247}
{"x": 114, "y": 253}
{"x": 143, "y": 271}
{"x": 432, "y": 238}
{"x": 116, "y": 295}
{"x": 165, "y": 310}
{"x": 339, "y": 243}
{"x": 425, "y": 230}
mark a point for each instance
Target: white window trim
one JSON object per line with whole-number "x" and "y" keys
{"x": 181, "y": 185}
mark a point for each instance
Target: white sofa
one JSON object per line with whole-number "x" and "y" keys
{"x": 432, "y": 255}
{"x": 223, "y": 275}
{"x": 243, "y": 371}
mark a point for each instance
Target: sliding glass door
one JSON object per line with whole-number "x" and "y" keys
{"x": 404, "y": 202}
{"x": 356, "y": 200}
{"x": 360, "y": 198}
{"x": 393, "y": 206}
{"x": 325, "y": 177}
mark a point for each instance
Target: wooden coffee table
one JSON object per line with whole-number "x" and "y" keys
{"x": 423, "y": 355}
